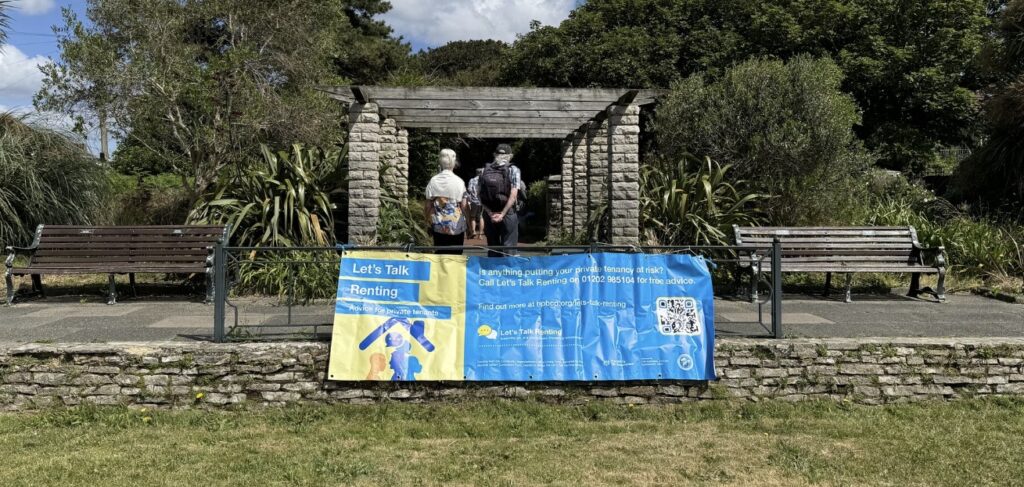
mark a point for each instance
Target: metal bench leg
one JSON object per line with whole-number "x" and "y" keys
{"x": 828, "y": 284}
{"x": 112, "y": 297}
{"x": 849, "y": 284}
{"x": 10, "y": 286}
{"x": 209, "y": 288}
{"x": 37, "y": 285}
{"x": 753, "y": 284}
{"x": 915, "y": 285}
{"x": 940, "y": 287}
{"x": 131, "y": 284}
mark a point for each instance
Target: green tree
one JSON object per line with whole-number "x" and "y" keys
{"x": 464, "y": 63}
{"x": 994, "y": 174}
{"x": 908, "y": 63}
{"x": 202, "y": 83}
{"x": 787, "y": 128}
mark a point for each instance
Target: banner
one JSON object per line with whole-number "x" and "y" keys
{"x": 581, "y": 317}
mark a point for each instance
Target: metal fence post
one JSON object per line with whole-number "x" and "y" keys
{"x": 776, "y": 288}
{"x": 219, "y": 290}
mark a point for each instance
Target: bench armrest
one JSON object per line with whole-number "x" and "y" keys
{"x": 13, "y": 252}
{"x": 937, "y": 255}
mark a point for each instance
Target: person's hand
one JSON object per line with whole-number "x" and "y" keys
{"x": 497, "y": 217}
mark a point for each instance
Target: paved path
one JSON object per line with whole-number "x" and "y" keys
{"x": 66, "y": 319}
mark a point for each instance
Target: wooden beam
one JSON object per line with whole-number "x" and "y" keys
{"x": 500, "y": 133}
{"x": 440, "y": 114}
{"x": 607, "y": 95}
{"x": 424, "y": 104}
{"x": 359, "y": 94}
{"x": 342, "y": 93}
{"x": 518, "y": 135}
{"x": 484, "y": 121}
{"x": 566, "y": 126}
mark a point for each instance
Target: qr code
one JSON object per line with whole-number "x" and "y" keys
{"x": 679, "y": 316}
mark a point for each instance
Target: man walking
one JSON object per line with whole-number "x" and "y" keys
{"x": 498, "y": 189}
{"x": 476, "y": 215}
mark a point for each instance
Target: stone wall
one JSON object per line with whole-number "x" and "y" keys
{"x": 217, "y": 375}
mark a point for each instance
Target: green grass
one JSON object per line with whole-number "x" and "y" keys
{"x": 970, "y": 442}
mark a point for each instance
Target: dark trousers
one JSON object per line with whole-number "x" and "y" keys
{"x": 502, "y": 234}
{"x": 441, "y": 240}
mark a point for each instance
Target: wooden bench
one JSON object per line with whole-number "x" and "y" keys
{"x": 845, "y": 250}
{"x": 65, "y": 249}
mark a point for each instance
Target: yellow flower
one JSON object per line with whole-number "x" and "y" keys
{"x": 200, "y": 395}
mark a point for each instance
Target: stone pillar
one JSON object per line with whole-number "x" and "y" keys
{"x": 402, "y": 163}
{"x": 624, "y": 172}
{"x": 389, "y": 156}
{"x": 565, "y": 206}
{"x": 363, "y": 173}
{"x": 580, "y": 183}
{"x": 597, "y": 158}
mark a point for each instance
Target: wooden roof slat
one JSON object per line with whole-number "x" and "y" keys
{"x": 396, "y": 113}
{"x": 439, "y": 124}
{"x": 400, "y": 103}
{"x": 607, "y": 95}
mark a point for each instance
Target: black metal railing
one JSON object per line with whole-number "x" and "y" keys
{"x": 293, "y": 290}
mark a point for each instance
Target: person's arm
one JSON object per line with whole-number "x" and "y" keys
{"x": 512, "y": 195}
{"x": 428, "y": 210}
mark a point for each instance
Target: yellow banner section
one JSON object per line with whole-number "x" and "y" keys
{"x": 399, "y": 316}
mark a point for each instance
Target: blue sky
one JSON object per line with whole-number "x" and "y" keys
{"x": 422, "y": 23}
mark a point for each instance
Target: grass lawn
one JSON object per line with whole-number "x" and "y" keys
{"x": 972, "y": 442}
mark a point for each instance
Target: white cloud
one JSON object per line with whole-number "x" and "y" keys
{"x": 33, "y": 7}
{"x": 20, "y": 77}
{"x": 436, "y": 22}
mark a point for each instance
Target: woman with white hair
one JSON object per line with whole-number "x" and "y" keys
{"x": 445, "y": 207}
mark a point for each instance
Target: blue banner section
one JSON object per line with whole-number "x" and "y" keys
{"x": 389, "y": 310}
{"x": 589, "y": 317}
{"x": 406, "y": 270}
{"x": 378, "y": 290}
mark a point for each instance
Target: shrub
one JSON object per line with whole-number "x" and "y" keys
{"x": 145, "y": 200}
{"x": 977, "y": 247}
{"x": 281, "y": 201}
{"x": 303, "y": 275}
{"x": 692, "y": 202}
{"x": 45, "y": 177}
{"x": 785, "y": 127}
{"x": 401, "y": 222}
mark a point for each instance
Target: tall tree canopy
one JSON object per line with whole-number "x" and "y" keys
{"x": 995, "y": 173}
{"x": 464, "y": 63}
{"x": 201, "y": 83}
{"x": 907, "y": 62}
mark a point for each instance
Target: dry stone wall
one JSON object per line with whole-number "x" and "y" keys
{"x": 192, "y": 375}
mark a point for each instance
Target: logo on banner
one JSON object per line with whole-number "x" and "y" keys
{"x": 685, "y": 362}
{"x": 679, "y": 316}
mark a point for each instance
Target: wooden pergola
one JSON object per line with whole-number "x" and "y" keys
{"x": 599, "y": 127}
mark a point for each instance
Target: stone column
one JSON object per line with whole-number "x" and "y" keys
{"x": 389, "y": 156}
{"x": 564, "y": 216}
{"x": 402, "y": 163}
{"x": 363, "y": 173}
{"x": 624, "y": 172}
{"x": 580, "y": 182}
{"x": 597, "y": 158}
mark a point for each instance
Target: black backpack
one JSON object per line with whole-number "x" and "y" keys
{"x": 495, "y": 187}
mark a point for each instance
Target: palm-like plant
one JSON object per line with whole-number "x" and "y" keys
{"x": 281, "y": 201}
{"x": 692, "y": 201}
